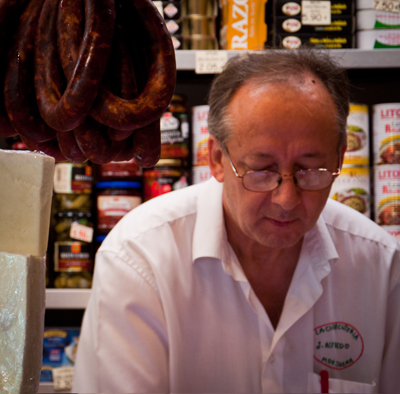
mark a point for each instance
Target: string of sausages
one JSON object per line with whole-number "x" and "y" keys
{"x": 86, "y": 79}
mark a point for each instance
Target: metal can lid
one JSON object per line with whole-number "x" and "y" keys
{"x": 118, "y": 185}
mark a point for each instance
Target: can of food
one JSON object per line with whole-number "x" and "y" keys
{"x": 352, "y": 188}
{"x": 166, "y": 176}
{"x": 357, "y": 152}
{"x": 199, "y": 24}
{"x": 200, "y": 174}
{"x": 199, "y": 42}
{"x": 318, "y": 40}
{"x": 200, "y": 135}
{"x": 293, "y": 7}
{"x": 375, "y": 19}
{"x": 199, "y": 7}
{"x": 393, "y": 230}
{"x": 115, "y": 200}
{"x": 73, "y": 178}
{"x": 386, "y": 133}
{"x": 120, "y": 170}
{"x": 378, "y": 38}
{"x": 387, "y": 194}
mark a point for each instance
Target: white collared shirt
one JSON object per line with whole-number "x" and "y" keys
{"x": 171, "y": 310}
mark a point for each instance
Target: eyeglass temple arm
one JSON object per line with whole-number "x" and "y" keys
{"x": 339, "y": 167}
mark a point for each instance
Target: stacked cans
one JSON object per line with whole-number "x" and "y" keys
{"x": 200, "y": 170}
{"x": 172, "y": 14}
{"x": 290, "y": 31}
{"x": 352, "y": 186}
{"x": 386, "y": 144}
{"x": 377, "y": 28}
{"x": 199, "y": 24}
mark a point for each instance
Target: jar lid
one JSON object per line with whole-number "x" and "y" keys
{"x": 169, "y": 162}
{"x": 118, "y": 185}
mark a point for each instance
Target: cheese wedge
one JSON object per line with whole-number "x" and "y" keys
{"x": 26, "y": 188}
{"x": 22, "y": 307}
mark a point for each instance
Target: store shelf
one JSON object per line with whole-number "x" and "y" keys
{"x": 348, "y": 58}
{"x": 67, "y": 298}
{"x": 49, "y": 388}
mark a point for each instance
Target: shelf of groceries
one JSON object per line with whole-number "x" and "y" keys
{"x": 348, "y": 58}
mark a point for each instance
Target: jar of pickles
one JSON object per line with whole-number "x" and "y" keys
{"x": 73, "y": 249}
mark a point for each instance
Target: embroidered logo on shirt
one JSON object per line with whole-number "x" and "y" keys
{"x": 337, "y": 345}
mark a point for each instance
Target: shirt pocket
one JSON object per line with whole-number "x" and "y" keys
{"x": 339, "y": 385}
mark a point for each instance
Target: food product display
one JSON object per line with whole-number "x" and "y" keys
{"x": 84, "y": 87}
{"x": 175, "y": 129}
{"x": 25, "y": 205}
{"x": 291, "y": 30}
{"x": 73, "y": 251}
{"x": 120, "y": 170}
{"x": 243, "y": 25}
{"x": 114, "y": 200}
{"x": 200, "y": 169}
{"x": 352, "y": 188}
{"x": 377, "y": 27}
{"x": 166, "y": 176}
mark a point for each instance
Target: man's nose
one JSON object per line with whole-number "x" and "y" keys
{"x": 287, "y": 194}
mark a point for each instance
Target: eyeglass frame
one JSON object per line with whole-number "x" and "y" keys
{"x": 281, "y": 176}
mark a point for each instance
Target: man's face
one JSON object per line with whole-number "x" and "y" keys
{"x": 284, "y": 128}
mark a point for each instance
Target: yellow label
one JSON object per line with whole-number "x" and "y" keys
{"x": 359, "y": 108}
{"x": 244, "y": 24}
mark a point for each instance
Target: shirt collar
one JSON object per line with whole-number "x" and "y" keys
{"x": 209, "y": 237}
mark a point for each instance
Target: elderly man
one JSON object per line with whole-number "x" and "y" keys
{"x": 252, "y": 281}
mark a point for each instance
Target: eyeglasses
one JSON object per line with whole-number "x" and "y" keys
{"x": 266, "y": 181}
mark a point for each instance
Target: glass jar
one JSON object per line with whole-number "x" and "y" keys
{"x": 73, "y": 251}
{"x": 167, "y": 175}
{"x": 175, "y": 129}
{"x": 115, "y": 200}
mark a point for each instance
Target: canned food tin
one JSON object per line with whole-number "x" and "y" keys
{"x": 357, "y": 152}
{"x": 393, "y": 230}
{"x": 387, "y": 194}
{"x": 386, "y": 133}
{"x": 73, "y": 178}
{"x": 293, "y": 7}
{"x": 200, "y": 135}
{"x": 120, "y": 170}
{"x": 166, "y": 176}
{"x": 201, "y": 174}
{"x": 378, "y": 38}
{"x": 200, "y": 42}
{"x": 352, "y": 188}
{"x": 375, "y": 19}
{"x": 199, "y": 24}
{"x": 199, "y": 7}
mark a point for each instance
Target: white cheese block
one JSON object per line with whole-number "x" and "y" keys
{"x": 22, "y": 307}
{"x": 26, "y": 187}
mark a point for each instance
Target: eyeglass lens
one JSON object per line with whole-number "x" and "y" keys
{"x": 307, "y": 180}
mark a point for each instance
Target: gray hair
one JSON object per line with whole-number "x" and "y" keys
{"x": 275, "y": 66}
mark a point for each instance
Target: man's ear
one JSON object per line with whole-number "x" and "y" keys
{"x": 215, "y": 158}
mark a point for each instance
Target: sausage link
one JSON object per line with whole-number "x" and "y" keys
{"x": 126, "y": 153}
{"x": 51, "y": 147}
{"x": 123, "y": 114}
{"x": 10, "y": 11}
{"x": 19, "y": 88}
{"x": 147, "y": 144}
{"x": 70, "y": 110}
{"x": 94, "y": 142}
{"x": 69, "y": 147}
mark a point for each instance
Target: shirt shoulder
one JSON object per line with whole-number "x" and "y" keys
{"x": 342, "y": 219}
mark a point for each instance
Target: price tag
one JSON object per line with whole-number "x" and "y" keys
{"x": 81, "y": 232}
{"x": 62, "y": 378}
{"x": 387, "y": 5}
{"x": 316, "y": 12}
{"x": 210, "y": 62}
